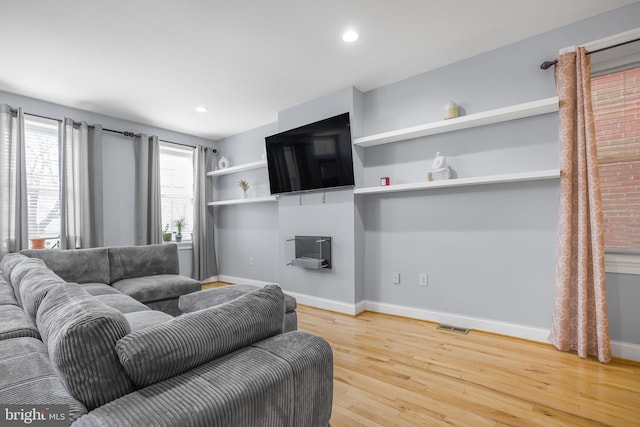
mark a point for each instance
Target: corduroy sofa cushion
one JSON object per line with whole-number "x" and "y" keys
{"x": 29, "y": 379}
{"x": 14, "y": 323}
{"x": 188, "y": 341}
{"x": 20, "y": 269}
{"x": 81, "y": 333}
{"x": 34, "y": 286}
{"x": 8, "y": 262}
{"x": 78, "y": 265}
{"x": 7, "y": 296}
{"x": 126, "y": 262}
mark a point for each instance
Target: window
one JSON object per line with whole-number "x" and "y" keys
{"x": 616, "y": 104}
{"x": 43, "y": 179}
{"x": 176, "y": 187}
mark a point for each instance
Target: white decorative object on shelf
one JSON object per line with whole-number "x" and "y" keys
{"x": 264, "y": 155}
{"x": 223, "y": 163}
{"x": 528, "y": 109}
{"x": 440, "y": 168}
{"x": 450, "y": 110}
{"x": 460, "y": 182}
{"x": 239, "y": 168}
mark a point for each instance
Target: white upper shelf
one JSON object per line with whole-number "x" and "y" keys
{"x": 264, "y": 199}
{"x": 240, "y": 168}
{"x": 513, "y": 112}
{"x": 459, "y": 182}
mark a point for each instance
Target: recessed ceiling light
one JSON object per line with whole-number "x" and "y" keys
{"x": 201, "y": 109}
{"x": 350, "y": 36}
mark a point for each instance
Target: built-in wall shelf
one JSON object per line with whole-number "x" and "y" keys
{"x": 458, "y": 182}
{"x": 512, "y": 112}
{"x": 265, "y": 199}
{"x": 240, "y": 168}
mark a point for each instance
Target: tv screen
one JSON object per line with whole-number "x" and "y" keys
{"x": 312, "y": 157}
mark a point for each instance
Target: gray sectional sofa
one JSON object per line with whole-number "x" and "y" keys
{"x": 149, "y": 274}
{"x": 115, "y": 361}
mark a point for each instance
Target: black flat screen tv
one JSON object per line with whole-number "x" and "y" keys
{"x": 316, "y": 156}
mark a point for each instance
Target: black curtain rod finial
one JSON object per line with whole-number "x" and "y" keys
{"x": 548, "y": 64}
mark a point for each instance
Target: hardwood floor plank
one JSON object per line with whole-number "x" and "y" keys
{"x": 394, "y": 371}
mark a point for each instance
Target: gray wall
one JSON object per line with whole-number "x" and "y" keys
{"x": 489, "y": 251}
{"x": 118, "y": 166}
{"x": 245, "y": 231}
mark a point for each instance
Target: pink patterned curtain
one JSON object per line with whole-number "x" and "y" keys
{"x": 580, "y": 320}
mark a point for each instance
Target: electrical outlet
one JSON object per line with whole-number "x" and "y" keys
{"x": 396, "y": 278}
{"x": 251, "y": 261}
{"x": 424, "y": 279}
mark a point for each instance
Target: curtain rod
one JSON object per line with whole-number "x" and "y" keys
{"x": 120, "y": 132}
{"x": 548, "y": 64}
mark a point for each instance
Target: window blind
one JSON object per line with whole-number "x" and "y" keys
{"x": 176, "y": 186}
{"x": 43, "y": 178}
{"x": 616, "y": 108}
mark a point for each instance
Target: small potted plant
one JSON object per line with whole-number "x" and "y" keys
{"x": 245, "y": 186}
{"x": 180, "y": 223}
{"x": 166, "y": 235}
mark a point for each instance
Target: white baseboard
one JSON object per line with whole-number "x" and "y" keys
{"x": 619, "y": 349}
{"x": 625, "y": 350}
{"x": 243, "y": 281}
{"x": 327, "y": 304}
{"x": 511, "y": 329}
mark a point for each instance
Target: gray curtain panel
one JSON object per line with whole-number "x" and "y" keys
{"x": 204, "y": 251}
{"x": 81, "y": 207}
{"x": 148, "y": 217}
{"x": 13, "y": 182}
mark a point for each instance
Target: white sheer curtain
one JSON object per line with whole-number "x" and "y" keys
{"x": 81, "y": 212}
{"x": 148, "y": 216}
{"x": 204, "y": 251}
{"x": 13, "y": 182}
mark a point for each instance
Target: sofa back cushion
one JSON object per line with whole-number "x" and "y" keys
{"x": 20, "y": 269}
{"x": 7, "y": 296}
{"x": 178, "y": 345}
{"x": 34, "y": 286}
{"x": 137, "y": 261}
{"x": 81, "y": 333}
{"x": 75, "y": 265}
{"x": 8, "y": 262}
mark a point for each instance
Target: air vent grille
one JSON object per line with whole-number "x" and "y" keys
{"x": 453, "y": 329}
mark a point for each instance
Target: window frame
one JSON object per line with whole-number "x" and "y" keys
{"x": 186, "y": 243}
{"x": 36, "y": 121}
{"x": 621, "y": 262}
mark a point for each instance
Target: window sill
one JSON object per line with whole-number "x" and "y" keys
{"x": 182, "y": 246}
{"x": 622, "y": 263}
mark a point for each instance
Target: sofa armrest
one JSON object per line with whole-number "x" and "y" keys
{"x": 285, "y": 380}
{"x": 188, "y": 341}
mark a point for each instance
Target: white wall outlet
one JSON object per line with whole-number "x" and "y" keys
{"x": 396, "y": 278}
{"x": 251, "y": 261}
{"x": 424, "y": 279}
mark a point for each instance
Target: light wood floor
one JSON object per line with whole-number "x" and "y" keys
{"x": 393, "y": 371}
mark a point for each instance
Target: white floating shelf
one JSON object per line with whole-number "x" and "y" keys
{"x": 265, "y": 199}
{"x": 240, "y": 168}
{"x": 458, "y": 182}
{"x": 513, "y": 112}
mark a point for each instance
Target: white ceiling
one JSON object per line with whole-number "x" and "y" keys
{"x": 154, "y": 61}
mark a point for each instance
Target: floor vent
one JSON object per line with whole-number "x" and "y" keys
{"x": 453, "y": 329}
